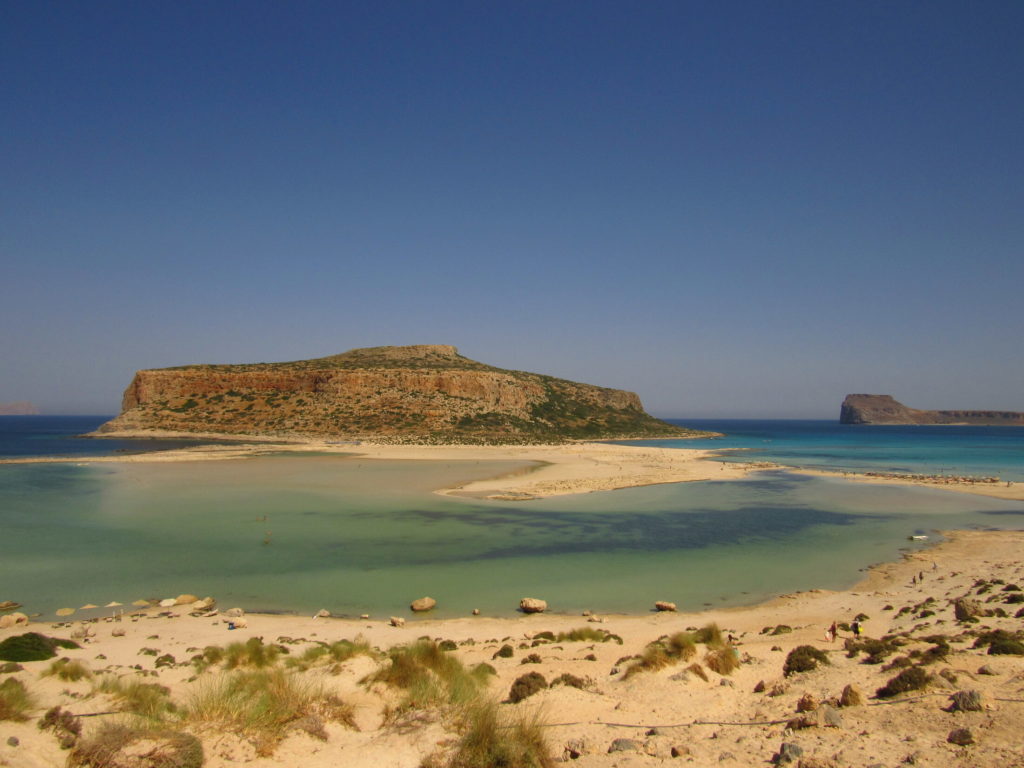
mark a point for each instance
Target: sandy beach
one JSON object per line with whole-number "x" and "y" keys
{"x": 736, "y": 719}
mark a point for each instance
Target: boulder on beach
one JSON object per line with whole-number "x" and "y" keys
{"x": 664, "y": 605}
{"x": 206, "y": 604}
{"x": 186, "y": 599}
{"x": 140, "y": 603}
{"x": 234, "y": 613}
{"x": 13, "y": 620}
{"x": 422, "y": 604}
{"x": 532, "y": 605}
{"x": 170, "y": 602}
{"x": 8, "y": 605}
{"x": 323, "y": 613}
{"x": 967, "y": 608}
{"x": 397, "y": 621}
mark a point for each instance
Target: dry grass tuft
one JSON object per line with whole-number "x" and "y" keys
{"x": 662, "y": 653}
{"x": 724, "y": 661}
{"x": 497, "y": 737}
{"x": 148, "y": 700}
{"x": 261, "y": 705}
{"x": 429, "y": 676}
{"x": 15, "y": 700}
{"x": 166, "y": 749}
{"x": 331, "y": 653}
{"x": 68, "y": 670}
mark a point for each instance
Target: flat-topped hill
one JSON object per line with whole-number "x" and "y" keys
{"x": 883, "y": 409}
{"x": 422, "y": 393}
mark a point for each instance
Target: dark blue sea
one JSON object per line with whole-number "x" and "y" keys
{"x": 24, "y": 436}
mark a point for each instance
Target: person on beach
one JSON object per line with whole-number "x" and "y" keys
{"x": 831, "y": 632}
{"x": 855, "y": 628}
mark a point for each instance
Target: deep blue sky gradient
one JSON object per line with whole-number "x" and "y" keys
{"x": 732, "y": 208}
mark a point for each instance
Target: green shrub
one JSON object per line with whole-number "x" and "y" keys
{"x": 148, "y": 700}
{"x": 804, "y": 658}
{"x": 568, "y": 679}
{"x": 1006, "y": 646}
{"x": 505, "y": 652}
{"x": 587, "y": 635}
{"x": 911, "y": 679}
{"x": 526, "y": 685}
{"x": 15, "y": 700}
{"x": 429, "y": 676}
{"x": 253, "y": 653}
{"x": 32, "y": 646}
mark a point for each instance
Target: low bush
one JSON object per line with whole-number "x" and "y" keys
{"x": 526, "y": 685}
{"x": 587, "y": 635}
{"x": 170, "y": 749}
{"x": 569, "y": 679}
{"x": 911, "y": 679}
{"x": 505, "y": 652}
{"x": 65, "y": 726}
{"x": 253, "y": 653}
{"x": 724, "y": 661}
{"x": 533, "y": 658}
{"x": 32, "y": 646}
{"x": 15, "y": 700}
{"x": 804, "y": 658}
{"x": 710, "y": 635}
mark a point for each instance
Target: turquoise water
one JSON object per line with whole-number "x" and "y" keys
{"x": 355, "y": 536}
{"x": 978, "y": 451}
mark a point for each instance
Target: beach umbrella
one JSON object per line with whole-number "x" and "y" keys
{"x": 88, "y": 607}
{"x": 141, "y": 603}
{"x": 113, "y": 604}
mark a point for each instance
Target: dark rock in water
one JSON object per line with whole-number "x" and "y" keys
{"x": 962, "y": 737}
{"x": 626, "y": 745}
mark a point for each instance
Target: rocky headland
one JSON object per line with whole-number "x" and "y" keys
{"x": 422, "y": 393}
{"x": 883, "y": 409}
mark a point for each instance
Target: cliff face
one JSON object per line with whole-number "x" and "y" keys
{"x": 883, "y": 409}
{"x": 425, "y": 392}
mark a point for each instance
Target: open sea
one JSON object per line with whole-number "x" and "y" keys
{"x": 304, "y": 532}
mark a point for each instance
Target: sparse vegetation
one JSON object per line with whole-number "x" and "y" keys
{"x": 587, "y": 635}
{"x": 331, "y": 653}
{"x": 724, "y": 661}
{"x": 499, "y": 738}
{"x": 15, "y": 700}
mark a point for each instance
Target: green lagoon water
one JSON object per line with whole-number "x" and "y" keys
{"x": 300, "y": 533}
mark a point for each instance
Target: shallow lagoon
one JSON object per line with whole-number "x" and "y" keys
{"x": 357, "y": 536}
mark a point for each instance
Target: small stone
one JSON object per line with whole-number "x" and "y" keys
{"x": 727, "y": 683}
{"x": 364, "y": 615}
{"x": 574, "y": 749}
{"x": 397, "y": 621}
{"x": 759, "y": 688}
{"x": 725, "y": 756}
{"x": 788, "y": 753}
{"x": 664, "y": 605}
{"x": 12, "y": 741}
{"x": 170, "y": 602}
{"x": 234, "y": 613}
{"x": 117, "y": 632}
{"x": 476, "y": 611}
{"x": 680, "y": 750}
{"x": 625, "y": 745}
{"x": 323, "y": 613}
{"x": 962, "y": 737}
{"x": 985, "y": 669}
{"x": 830, "y": 717}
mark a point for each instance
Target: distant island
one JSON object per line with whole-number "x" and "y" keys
{"x": 422, "y": 393}
{"x": 883, "y": 409}
{"x": 20, "y": 408}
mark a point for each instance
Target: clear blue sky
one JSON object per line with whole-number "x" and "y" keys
{"x": 732, "y": 208}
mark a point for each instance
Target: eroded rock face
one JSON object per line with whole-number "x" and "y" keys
{"x": 422, "y": 392}
{"x": 883, "y": 409}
